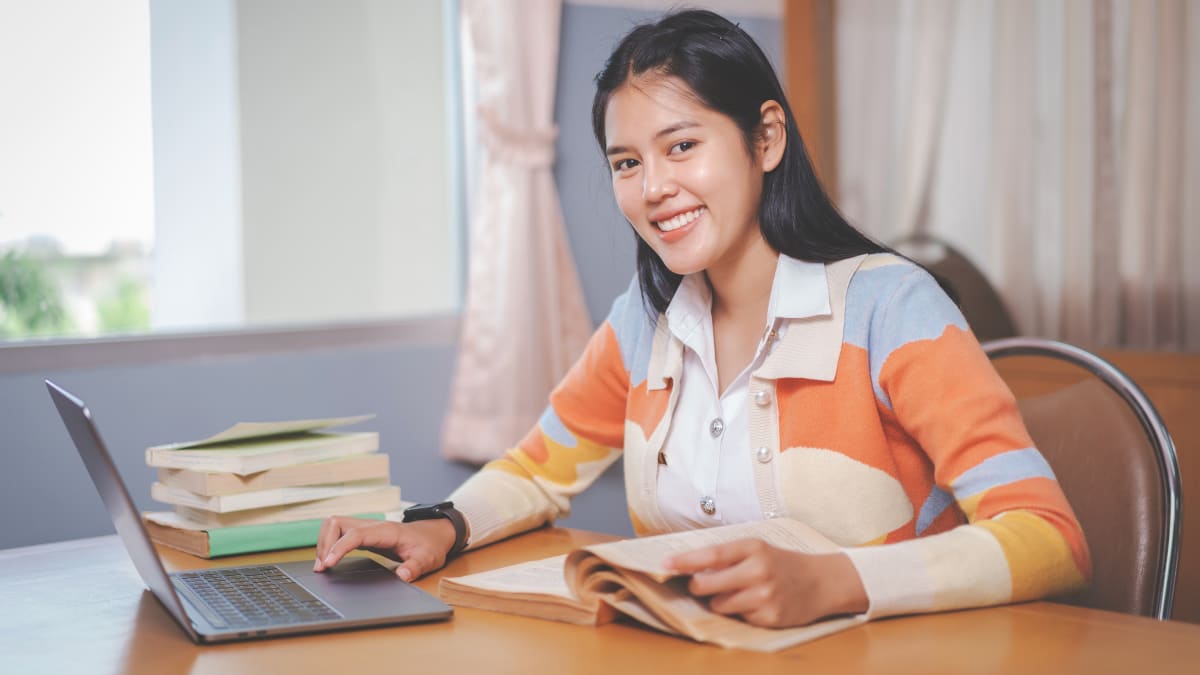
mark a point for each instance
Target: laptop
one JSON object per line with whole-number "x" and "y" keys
{"x": 238, "y": 603}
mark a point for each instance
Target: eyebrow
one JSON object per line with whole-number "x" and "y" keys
{"x": 678, "y": 126}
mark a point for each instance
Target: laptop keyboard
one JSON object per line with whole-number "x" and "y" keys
{"x": 251, "y": 596}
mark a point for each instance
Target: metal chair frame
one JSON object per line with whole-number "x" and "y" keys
{"x": 1151, "y": 423}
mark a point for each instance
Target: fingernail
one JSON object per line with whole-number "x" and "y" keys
{"x": 404, "y": 574}
{"x": 317, "y": 566}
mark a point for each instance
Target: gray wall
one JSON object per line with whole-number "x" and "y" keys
{"x": 45, "y": 494}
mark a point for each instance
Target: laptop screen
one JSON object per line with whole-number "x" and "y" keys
{"x": 124, "y": 514}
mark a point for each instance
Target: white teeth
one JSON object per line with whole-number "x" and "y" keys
{"x": 680, "y": 220}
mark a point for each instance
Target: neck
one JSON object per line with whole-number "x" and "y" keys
{"x": 741, "y": 286}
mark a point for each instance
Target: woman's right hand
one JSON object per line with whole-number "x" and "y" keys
{"x": 421, "y": 546}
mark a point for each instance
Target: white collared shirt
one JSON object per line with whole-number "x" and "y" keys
{"x": 707, "y": 449}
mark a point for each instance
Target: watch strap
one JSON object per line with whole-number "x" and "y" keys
{"x": 443, "y": 510}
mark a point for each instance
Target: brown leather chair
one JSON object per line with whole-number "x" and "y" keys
{"x": 982, "y": 306}
{"x": 1115, "y": 462}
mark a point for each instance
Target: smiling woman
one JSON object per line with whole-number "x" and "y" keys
{"x": 243, "y": 165}
{"x": 768, "y": 361}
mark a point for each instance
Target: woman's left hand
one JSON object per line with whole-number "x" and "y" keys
{"x": 768, "y": 586}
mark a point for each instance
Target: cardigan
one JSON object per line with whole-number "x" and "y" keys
{"x": 704, "y": 477}
{"x": 888, "y": 431}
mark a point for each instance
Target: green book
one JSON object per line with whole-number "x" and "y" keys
{"x": 168, "y": 529}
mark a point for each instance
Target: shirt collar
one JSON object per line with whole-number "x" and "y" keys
{"x": 800, "y": 290}
{"x": 810, "y": 348}
{"x": 689, "y": 314}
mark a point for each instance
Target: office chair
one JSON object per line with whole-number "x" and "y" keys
{"x": 982, "y": 306}
{"x": 1115, "y": 462}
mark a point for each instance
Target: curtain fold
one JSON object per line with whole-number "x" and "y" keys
{"x": 524, "y": 321}
{"x": 1061, "y": 157}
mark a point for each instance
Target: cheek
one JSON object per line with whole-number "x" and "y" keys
{"x": 628, "y": 196}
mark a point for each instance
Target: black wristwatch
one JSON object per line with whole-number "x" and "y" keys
{"x": 443, "y": 510}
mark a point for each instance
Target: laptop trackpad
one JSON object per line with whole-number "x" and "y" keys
{"x": 360, "y": 588}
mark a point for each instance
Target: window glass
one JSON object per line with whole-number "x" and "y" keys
{"x": 183, "y": 166}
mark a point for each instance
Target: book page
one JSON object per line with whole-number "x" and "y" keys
{"x": 646, "y": 554}
{"x": 536, "y": 577}
{"x": 628, "y": 604}
{"x": 243, "y": 430}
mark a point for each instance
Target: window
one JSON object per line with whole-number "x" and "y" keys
{"x": 178, "y": 166}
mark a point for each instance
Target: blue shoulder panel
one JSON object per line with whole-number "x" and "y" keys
{"x": 634, "y": 330}
{"x": 890, "y": 306}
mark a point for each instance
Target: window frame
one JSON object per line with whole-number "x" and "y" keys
{"x": 35, "y": 355}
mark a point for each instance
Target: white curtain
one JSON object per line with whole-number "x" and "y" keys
{"x": 1056, "y": 143}
{"x": 525, "y": 321}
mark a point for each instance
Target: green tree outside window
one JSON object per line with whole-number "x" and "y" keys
{"x": 30, "y": 301}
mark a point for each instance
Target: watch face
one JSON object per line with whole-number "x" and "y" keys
{"x": 425, "y": 511}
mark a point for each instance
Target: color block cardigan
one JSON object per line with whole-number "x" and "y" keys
{"x": 889, "y": 430}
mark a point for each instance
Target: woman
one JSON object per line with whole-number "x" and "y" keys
{"x": 770, "y": 360}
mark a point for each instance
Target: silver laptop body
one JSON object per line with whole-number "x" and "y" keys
{"x": 282, "y": 599}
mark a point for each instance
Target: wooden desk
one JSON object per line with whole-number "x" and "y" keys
{"x": 79, "y": 607}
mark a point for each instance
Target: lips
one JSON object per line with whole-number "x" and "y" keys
{"x": 678, "y": 220}
{"x": 678, "y": 226}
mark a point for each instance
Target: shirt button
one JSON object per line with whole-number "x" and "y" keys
{"x": 770, "y": 514}
{"x": 764, "y": 454}
{"x": 716, "y": 427}
{"x": 762, "y": 398}
{"x": 708, "y": 505}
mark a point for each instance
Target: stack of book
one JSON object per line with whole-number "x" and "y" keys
{"x": 261, "y": 486}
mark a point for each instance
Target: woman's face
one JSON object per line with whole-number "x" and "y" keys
{"x": 682, "y": 175}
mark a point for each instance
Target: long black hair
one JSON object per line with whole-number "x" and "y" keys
{"x": 729, "y": 74}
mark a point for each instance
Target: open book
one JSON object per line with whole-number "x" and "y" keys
{"x": 598, "y": 583}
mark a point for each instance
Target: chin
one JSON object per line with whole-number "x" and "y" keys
{"x": 683, "y": 267}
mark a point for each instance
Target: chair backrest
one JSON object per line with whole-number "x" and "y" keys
{"x": 1115, "y": 462}
{"x": 982, "y": 306}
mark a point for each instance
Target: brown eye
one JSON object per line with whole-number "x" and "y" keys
{"x": 623, "y": 164}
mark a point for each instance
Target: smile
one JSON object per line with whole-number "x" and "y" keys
{"x": 679, "y": 220}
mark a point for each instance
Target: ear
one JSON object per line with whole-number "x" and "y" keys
{"x": 772, "y": 135}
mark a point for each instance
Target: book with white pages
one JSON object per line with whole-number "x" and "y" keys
{"x": 261, "y": 498}
{"x": 251, "y": 455}
{"x": 380, "y": 499}
{"x": 326, "y": 472}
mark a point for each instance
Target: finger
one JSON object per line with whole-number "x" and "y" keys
{"x": 331, "y": 530}
{"x": 376, "y": 535}
{"x": 418, "y": 560}
{"x": 741, "y": 602}
{"x": 752, "y": 570}
{"x": 771, "y": 616}
{"x": 714, "y": 557}
{"x": 409, "y": 570}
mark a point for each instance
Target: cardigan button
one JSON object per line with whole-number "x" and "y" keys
{"x": 764, "y": 454}
{"x": 716, "y": 427}
{"x": 762, "y": 398}
{"x": 708, "y": 505}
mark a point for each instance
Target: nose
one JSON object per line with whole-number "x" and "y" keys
{"x": 658, "y": 182}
